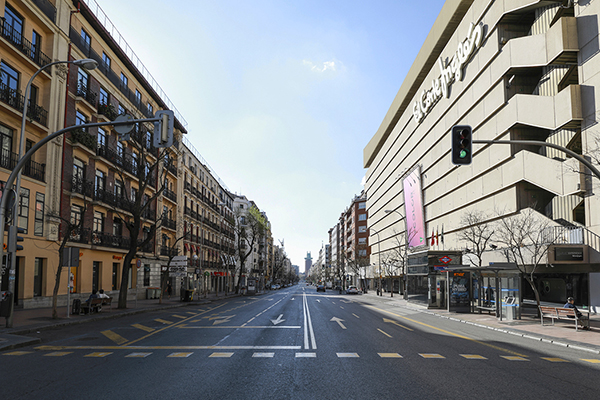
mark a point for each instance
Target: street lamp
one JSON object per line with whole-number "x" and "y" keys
{"x": 379, "y": 256}
{"x": 404, "y": 262}
{"x": 86, "y": 63}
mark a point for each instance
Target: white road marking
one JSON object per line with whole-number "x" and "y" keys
{"x": 308, "y": 326}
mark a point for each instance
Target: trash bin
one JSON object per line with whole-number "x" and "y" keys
{"x": 186, "y": 295}
{"x": 7, "y": 297}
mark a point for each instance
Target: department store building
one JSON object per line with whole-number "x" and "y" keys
{"x": 512, "y": 70}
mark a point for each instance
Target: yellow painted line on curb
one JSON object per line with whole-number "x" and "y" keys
{"x": 58, "y": 353}
{"x": 115, "y": 337}
{"x": 98, "y": 354}
{"x": 144, "y": 328}
{"x": 389, "y": 355}
{"x": 448, "y": 332}
{"x": 384, "y": 333}
{"x": 473, "y": 357}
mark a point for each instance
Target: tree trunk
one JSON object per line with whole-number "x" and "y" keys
{"x": 55, "y": 291}
{"x": 125, "y": 280}
{"x": 529, "y": 279}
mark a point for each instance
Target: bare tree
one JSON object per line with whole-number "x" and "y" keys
{"x": 357, "y": 264}
{"x": 398, "y": 254}
{"x": 250, "y": 227}
{"x": 477, "y": 232}
{"x": 525, "y": 240}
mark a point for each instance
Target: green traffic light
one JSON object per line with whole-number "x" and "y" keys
{"x": 463, "y": 153}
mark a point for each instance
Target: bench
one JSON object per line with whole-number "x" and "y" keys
{"x": 559, "y": 313}
{"x": 95, "y": 305}
{"x": 484, "y": 308}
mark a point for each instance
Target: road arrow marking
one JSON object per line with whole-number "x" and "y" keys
{"x": 318, "y": 300}
{"x": 278, "y": 320}
{"x": 391, "y": 321}
{"x": 223, "y": 319}
{"x": 339, "y": 321}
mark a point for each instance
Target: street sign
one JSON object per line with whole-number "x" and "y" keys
{"x": 138, "y": 263}
{"x": 180, "y": 258}
{"x": 177, "y": 274}
{"x": 445, "y": 259}
{"x": 179, "y": 264}
{"x": 177, "y": 268}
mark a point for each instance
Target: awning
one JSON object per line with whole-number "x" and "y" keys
{"x": 193, "y": 248}
{"x": 187, "y": 247}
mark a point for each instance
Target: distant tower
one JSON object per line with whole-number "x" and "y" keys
{"x": 307, "y": 262}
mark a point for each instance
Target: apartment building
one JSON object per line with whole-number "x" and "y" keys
{"x": 512, "y": 70}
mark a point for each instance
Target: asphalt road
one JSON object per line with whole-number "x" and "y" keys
{"x": 293, "y": 343}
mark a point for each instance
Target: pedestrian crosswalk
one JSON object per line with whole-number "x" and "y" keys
{"x": 298, "y": 354}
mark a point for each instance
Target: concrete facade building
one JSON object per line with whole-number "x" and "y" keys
{"x": 512, "y": 70}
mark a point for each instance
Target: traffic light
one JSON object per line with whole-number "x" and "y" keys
{"x": 163, "y": 129}
{"x": 14, "y": 239}
{"x": 462, "y": 148}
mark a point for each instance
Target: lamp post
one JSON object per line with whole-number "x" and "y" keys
{"x": 404, "y": 283}
{"x": 86, "y": 63}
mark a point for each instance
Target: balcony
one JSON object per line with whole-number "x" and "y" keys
{"x": 171, "y": 168}
{"x": 187, "y": 211}
{"x": 108, "y": 111}
{"x": 169, "y": 194}
{"x": 148, "y": 213}
{"x": 168, "y": 223}
{"x": 47, "y": 8}
{"x": 83, "y": 91}
{"x": 167, "y": 251}
{"x": 81, "y": 136}
{"x": 187, "y": 186}
{"x": 147, "y": 248}
{"x": 109, "y": 240}
{"x": 32, "y": 169}
{"x": 23, "y": 45}
{"x": 16, "y": 100}
{"x": 80, "y": 236}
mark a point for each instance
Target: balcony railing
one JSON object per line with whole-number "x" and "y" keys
{"x": 32, "y": 169}
{"x": 108, "y": 111}
{"x": 85, "y": 92}
{"x": 148, "y": 213}
{"x": 80, "y": 236}
{"x": 168, "y": 251}
{"x": 23, "y": 45}
{"x": 16, "y": 100}
{"x": 169, "y": 223}
{"x": 81, "y": 136}
{"x": 169, "y": 194}
{"x": 109, "y": 240}
{"x": 47, "y": 8}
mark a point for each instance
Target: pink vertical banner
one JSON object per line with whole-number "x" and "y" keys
{"x": 413, "y": 208}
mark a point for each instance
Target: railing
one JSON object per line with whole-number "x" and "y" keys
{"x": 168, "y": 223}
{"x": 80, "y": 236}
{"x": 168, "y": 251}
{"x": 81, "y": 136}
{"x": 47, "y": 8}
{"x": 147, "y": 248}
{"x": 572, "y": 235}
{"x": 108, "y": 111}
{"x": 32, "y": 169}
{"x": 171, "y": 168}
{"x": 187, "y": 186}
{"x": 169, "y": 194}
{"x": 108, "y": 240}
{"x": 23, "y": 45}
{"x": 187, "y": 211}
{"x": 148, "y": 213}
{"x": 85, "y": 92}
{"x": 16, "y": 100}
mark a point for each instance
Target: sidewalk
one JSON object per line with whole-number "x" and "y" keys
{"x": 37, "y": 319}
{"x": 562, "y": 333}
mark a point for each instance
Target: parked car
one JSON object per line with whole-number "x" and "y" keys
{"x": 352, "y": 290}
{"x": 321, "y": 288}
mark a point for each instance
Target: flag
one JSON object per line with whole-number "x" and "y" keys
{"x": 432, "y": 237}
{"x": 437, "y": 236}
{"x": 442, "y": 235}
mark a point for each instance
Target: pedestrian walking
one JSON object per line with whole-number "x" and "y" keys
{"x": 169, "y": 289}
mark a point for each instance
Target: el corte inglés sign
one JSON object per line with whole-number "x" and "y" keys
{"x": 450, "y": 71}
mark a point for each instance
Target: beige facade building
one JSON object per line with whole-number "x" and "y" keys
{"x": 512, "y": 70}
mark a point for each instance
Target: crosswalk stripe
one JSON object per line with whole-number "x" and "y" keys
{"x": 473, "y": 357}
{"x": 144, "y": 328}
{"x": 179, "y": 355}
{"x": 221, "y": 355}
{"x": 98, "y": 354}
{"x": 137, "y": 355}
{"x": 58, "y": 353}
{"x": 263, "y": 355}
{"x": 347, "y": 355}
{"x": 431, "y": 355}
{"x": 179, "y": 316}
{"x": 591, "y": 360}
{"x": 389, "y": 355}
{"x": 115, "y": 337}
{"x": 515, "y": 358}
{"x": 163, "y": 321}
{"x": 306, "y": 355}
{"x": 17, "y": 353}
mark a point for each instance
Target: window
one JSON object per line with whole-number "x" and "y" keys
{"x": 362, "y": 240}
{"x": 38, "y": 277}
{"x": 76, "y": 214}
{"x": 80, "y": 118}
{"x": 78, "y": 171}
{"x": 87, "y": 40}
{"x": 33, "y": 96}
{"x": 124, "y": 80}
{"x": 133, "y": 194}
{"x": 117, "y": 227}
{"x": 146, "y": 275}
{"x": 134, "y": 162}
{"x": 98, "y": 224}
{"x": 38, "y": 226}
{"x": 6, "y": 136}
{"x": 362, "y": 253}
{"x": 95, "y": 275}
{"x": 120, "y": 151}
{"x": 24, "y": 209}
{"x": 13, "y": 25}
{"x": 362, "y": 229}
{"x": 106, "y": 61}
{"x": 36, "y": 46}
{"x": 83, "y": 81}
{"x": 138, "y": 97}
{"x": 362, "y": 205}
{"x": 9, "y": 78}
{"x": 362, "y": 217}
{"x": 101, "y": 138}
{"x": 150, "y": 109}
{"x": 115, "y": 276}
{"x": 100, "y": 183}
{"x": 103, "y": 96}
{"x": 119, "y": 189}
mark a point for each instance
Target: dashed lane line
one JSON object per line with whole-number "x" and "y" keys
{"x": 384, "y": 333}
{"x": 389, "y": 355}
{"x": 137, "y": 355}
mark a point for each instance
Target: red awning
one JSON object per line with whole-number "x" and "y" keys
{"x": 187, "y": 247}
{"x": 193, "y": 249}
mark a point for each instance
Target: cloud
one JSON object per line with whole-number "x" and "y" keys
{"x": 326, "y": 66}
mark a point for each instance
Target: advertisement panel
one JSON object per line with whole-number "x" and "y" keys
{"x": 413, "y": 208}
{"x": 459, "y": 296}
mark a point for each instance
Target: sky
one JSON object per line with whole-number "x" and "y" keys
{"x": 280, "y": 97}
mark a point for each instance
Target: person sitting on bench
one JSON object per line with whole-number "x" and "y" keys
{"x": 94, "y": 295}
{"x": 585, "y": 322}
